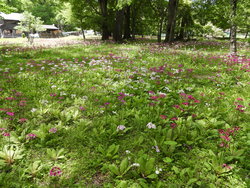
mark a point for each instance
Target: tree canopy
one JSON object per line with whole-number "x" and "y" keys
{"x": 123, "y": 19}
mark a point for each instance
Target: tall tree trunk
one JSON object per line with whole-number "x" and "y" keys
{"x": 83, "y": 34}
{"x": 133, "y": 22}
{"x": 82, "y": 29}
{"x": 127, "y": 30}
{"x": 182, "y": 30}
{"x": 104, "y": 11}
{"x": 172, "y": 10}
{"x": 247, "y": 32}
{"x": 118, "y": 25}
{"x": 233, "y": 41}
{"x": 160, "y": 30}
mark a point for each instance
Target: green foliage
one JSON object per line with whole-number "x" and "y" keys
{"x": 133, "y": 115}
{"x": 10, "y": 154}
{"x": 30, "y": 23}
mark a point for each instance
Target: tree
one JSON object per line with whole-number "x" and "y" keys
{"x": 160, "y": 10}
{"x": 172, "y": 11}
{"x": 233, "y": 31}
{"x": 4, "y": 7}
{"x": 30, "y": 24}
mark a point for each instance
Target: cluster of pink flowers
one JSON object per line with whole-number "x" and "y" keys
{"x": 239, "y": 107}
{"x": 173, "y": 124}
{"x": 159, "y": 69}
{"x": 3, "y": 132}
{"x": 225, "y": 135}
{"x": 22, "y": 103}
{"x": 30, "y": 136}
{"x": 10, "y": 113}
{"x": 121, "y": 97}
{"x": 226, "y": 166}
{"x": 53, "y": 130}
{"x": 156, "y": 97}
{"x": 188, "y": 99}
{"x": 22, "y": 120}
{"x": 82, "y": 108}
{"x": 55, "y": 171}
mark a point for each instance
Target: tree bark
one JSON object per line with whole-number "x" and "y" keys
{"x": 172, "y": 10}
{"x": 118, "y": 25}
{"x": 104, "y": 12}
{"x": 160, "y": 30}
{"x": 82, "y": 29}
{"x": 182, "y": 30}
{"x": 127, "y": 30}
{"x": 133, "y": 22}
{"x": 233, "y": 41}
{"x": 247, "y": 33}
{"x": 83, "y": 34}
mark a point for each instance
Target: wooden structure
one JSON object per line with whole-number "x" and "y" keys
{"x": 8, "y": 22}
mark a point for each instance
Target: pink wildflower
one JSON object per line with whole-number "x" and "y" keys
{"x": 53, "y": 130}
{"x": 163, "y": 116}
{"x": 22, "y": 120}
{"x": 154, "y": 97}
{"x": 30, "y": 136}
{"x": 239, "y": 99}
{"x": 173, "y": 125}
{"x": 227, "y": 138}
{"x": 5, "y": 134}
{"x": 174, "y": 118}
{"x": 82, "y": 108}
{"x": 55, "y": 171}
{"x": 10, "y": 113}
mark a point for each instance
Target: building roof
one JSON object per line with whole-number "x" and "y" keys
{"x": 11, "y": 16}
{"x": 52, "y": 27}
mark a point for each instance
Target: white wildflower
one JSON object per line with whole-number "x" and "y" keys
{"x": 33, "y": 110}
{"x": 150, "y": 125}
{"x": 135, "y": 164}
{"x": 120, "y": 127}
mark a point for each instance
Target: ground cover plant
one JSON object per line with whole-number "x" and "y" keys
{"x": 141, "y": 114}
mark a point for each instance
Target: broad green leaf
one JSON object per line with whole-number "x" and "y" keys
{"x": 113, "y": 168}
{"x": 171, "y": 143}
{"x": 191, "y": 181}
{"x": 152, "y": 176}
{"x": 124, "y": 165}
{"x": 167, "y": 160}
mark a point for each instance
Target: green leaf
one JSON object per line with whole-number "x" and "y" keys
{"x": 191, "y": 181}
{"x": 176, "y": 170}
{"x": 169, "y": 134}
{"x": 171, "y": 143}
{"x": 124, "y": 165}
{"x": 167, "y": 160}
{"x": 152, "y": 176}
{"x": 201, "y": 122}
{"x": 149, "y": 166}
{"x": 122, "y": 184}
{"x": 114, "y": 169}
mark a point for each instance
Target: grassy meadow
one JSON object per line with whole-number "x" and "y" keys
{"x": 137, "y": 115}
